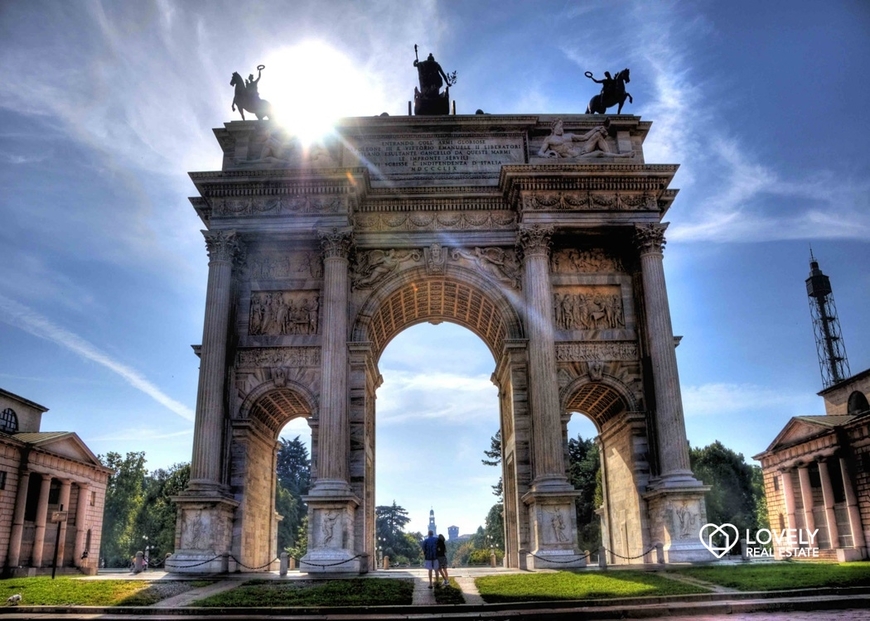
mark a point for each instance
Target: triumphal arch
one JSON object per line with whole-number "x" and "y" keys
{"x": 542, "y": 234}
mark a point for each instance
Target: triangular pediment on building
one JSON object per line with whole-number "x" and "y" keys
{"x": 62, "y": 443}
{"x": 802, "y": 428}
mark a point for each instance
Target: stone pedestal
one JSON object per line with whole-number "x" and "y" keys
{"x": 553, "y": 531}
{"x": 331, "y": 538}
{"x": 676, "y": 518}
{"x": 203, "y": 535}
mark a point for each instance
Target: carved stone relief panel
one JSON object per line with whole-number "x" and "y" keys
{"x": 290, "y": 265}
{"x": 278, "y": 205}
{"x": 589, "y": 201}
{"x": 436, "y": 221}
{"x": 498, "y": 263}
{"x": 372, "y": 266}
{"x": 588, "y": 308}
{"x": 278, "y": 357}
{"x": 284, "y": 312}
{"x": 587, "y": 260}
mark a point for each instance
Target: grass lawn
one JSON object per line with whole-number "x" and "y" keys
{"x": 359, "y": 592}
{"x": 570, "y": 585}
{"x": 775, "y": 576}
{"x": 450, "y": 594}
{"x": 66, "y": 591}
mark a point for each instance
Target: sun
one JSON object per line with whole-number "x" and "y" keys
{"x": 311, "y": 85}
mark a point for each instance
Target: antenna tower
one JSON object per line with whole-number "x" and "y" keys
{"x": 829, "y": 340}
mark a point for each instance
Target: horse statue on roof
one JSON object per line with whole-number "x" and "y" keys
{"x": 247, "y": 96}
{"x": 612, "y": 92}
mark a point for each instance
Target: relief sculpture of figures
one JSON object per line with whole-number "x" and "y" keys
{"x": 247, "y": 95}
{"x": 612, "y": 92}
{"x": 558, "y": 524}
{"x": 587, "y": 260}
{"x": 328, "y": 526}
{"x": 278, "y": 313}
{"x": 588, "y": 312}
{"x": 562, "y": 145}
{"x": 497, "y": 262}
{"x": 373, "y": 266}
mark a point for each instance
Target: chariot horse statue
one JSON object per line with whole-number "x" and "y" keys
{"x": 612, "y": 92}
{"x": 247, "y": 96}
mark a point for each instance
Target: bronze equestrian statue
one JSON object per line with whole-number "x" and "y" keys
{"x": 248, "y": 97}
{"x": 612, "y": 92}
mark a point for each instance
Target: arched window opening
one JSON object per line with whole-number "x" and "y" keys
{"x": 858, "y": 403}
{"x": 8, "y": 421}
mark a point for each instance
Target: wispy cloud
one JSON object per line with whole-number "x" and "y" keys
{"x": 141, "y": 434}
{"x": 24, "y": 318}
{"x": 721, "y": 399}
{"x": 441, "y": 396}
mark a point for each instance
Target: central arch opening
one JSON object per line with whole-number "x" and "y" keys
{"x": 437, "y": 411}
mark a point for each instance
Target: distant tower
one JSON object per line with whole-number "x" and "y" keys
{"x": 453, "y": 531}
{"x": 432, "y": 526}
{"x": 829, "y": 340}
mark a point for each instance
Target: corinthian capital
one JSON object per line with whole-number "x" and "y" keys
{"x": 222, "y": 245}
{"x": 535, "y": 240}
{"x": 335, "y": 242}
{"x": 650, "y": 237}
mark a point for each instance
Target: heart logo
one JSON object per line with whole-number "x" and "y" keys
{"x": 725, "y": 530}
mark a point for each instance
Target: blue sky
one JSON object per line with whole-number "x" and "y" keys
{"x": 107, "y": 106}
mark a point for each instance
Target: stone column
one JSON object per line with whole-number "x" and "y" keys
{"x": 553, "y": 522}
{"x": 14, "y": 557}
{"x": 205, "y": 468}
{"x": 828, "y": 497}
{"x": 63, "y": 502}
{"x": 806, "y": 498}
{"x": 41, "y": 518}
{"x": 788, "y": 493}
{"x": 331, "y": 502}
{"x": 81, "y": 530}
{"x": 857, "y": 530}
{"x": 673, "y": 447}
{"x": 674, "y": 492}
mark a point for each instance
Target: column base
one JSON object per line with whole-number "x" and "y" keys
{"x": 331, "y": 542}
{"x": 554, "y": 531}
{"x": 204, "y": 534}
{"x": 676, "y": 515}
{"x": 851, "y": 554}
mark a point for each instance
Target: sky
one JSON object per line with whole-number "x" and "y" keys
{"x": 108, "y": 105}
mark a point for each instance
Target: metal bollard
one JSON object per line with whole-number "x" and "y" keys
{"x": 660, "y": 553}
{"x": 282, "y": 570}
{"x": 386, "y": 562}
{"x": 602, "y": 557}
{"x": 743, "y": 555}
{"x": 292, "y": 563}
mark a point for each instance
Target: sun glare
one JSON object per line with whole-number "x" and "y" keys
{"x": 311, "y": 85}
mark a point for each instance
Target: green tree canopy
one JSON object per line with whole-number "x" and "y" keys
{"x": 124, "y": 499}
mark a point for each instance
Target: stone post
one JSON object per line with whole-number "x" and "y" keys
{"x": 81, "y": 513}
{"x": 41, "y": 518}
{"x": 828, "y": 498}
{"x": 676, "y": 498}
{"x": 857, "y": 530}
{"x": 806, "y": 498}
{"x": 14, "y": 558}
{"x": 205, "y": 468}
{"x": 331, "y": 502}
{"x": 551, "y": 497}
{"x": 63, "y": 502}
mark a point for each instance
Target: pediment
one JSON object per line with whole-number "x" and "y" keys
{"x": 69, "y": 445}
{"x": 797, "y": 430}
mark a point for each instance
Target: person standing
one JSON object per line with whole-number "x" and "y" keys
{"x": 441, "y": 554}
{"x": 430, "y": 555}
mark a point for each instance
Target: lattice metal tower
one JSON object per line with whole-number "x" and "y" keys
{"x": 829, "y": 340}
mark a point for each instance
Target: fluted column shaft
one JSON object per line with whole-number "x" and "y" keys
{"x": 828, "y": 497}
{"x": 549, "y": 466}
{"x": 14, "y": 557}
{"x": 806, "y": 498}
{"x": 670, "y": 427}
{"x": 81, "y": 513}
{"x": 205, "y": 469}
{"x": 41, "y": 519}
{"x": 852, "y": 507}
{"x": 334, "y": 445}
{"x": 788, "y": 493}
{"x": 63, "y": 502}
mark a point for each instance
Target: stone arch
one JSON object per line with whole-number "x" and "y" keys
{"x": 459, "y": 295}
{"x": 857, "y": 403}
{"x": 254, "y": 448}
{"x": 623, "y": 444}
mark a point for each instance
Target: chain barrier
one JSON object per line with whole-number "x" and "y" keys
{"x": 334, "y": 564}
{"x": 198, "y": 564}
{"x": 630, "y": 558}
{"x": 573, "y": 560}
{"x": 277, "y": 558}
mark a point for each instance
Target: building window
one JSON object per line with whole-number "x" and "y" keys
{"x": 775, "y": 483}
{"x": 857, "y": 403}
{"x": 8, "y": 421}
{"x": 781, "y": 522}
{"x": 93, "y": 498}
{"x": 2, "y": 479}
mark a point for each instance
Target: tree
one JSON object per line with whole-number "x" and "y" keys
{"x": 124, "y": 498}
{"x": 494, "y": 526}
{"x": 158, "y": 514}
{"x": 735, "y": 491}
{"x": 294, "y": 477}
{"x": 494, "y": 459}
{"x": 584, "y": 473}
{"x": 390, "y": 522}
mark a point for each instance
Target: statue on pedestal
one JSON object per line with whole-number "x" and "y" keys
{"x": 248, "y": 96}
{"x": 612, "y": 92}
{"x": 428, "y": 100}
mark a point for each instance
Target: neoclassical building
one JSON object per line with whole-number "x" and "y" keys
{"x": 52, "y": 490}
{"x": 543, "y": 235}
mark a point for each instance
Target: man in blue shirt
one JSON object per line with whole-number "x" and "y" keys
{"x": 430, "y": 555}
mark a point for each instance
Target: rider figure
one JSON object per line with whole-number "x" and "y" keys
{"x": 430, "y": 74}
{"x": 607, "y": 86}
{"x": 251, "y": 85}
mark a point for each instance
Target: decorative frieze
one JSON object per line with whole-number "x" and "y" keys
{"x": 586, "y": 352}
{"x": 436, "y": 221}
{"x": 293, "y": 265}
{"x": 372, "y": 266}
{"x": 278, "y": 357}
{"x": 592, "y": 260}
{"x": 589, "y": 308}
{"x": 497, "y": 263}
{"x": 283, "y": 312}
{"x": 589, "y": 201}
{"x": 278, "y": 205}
